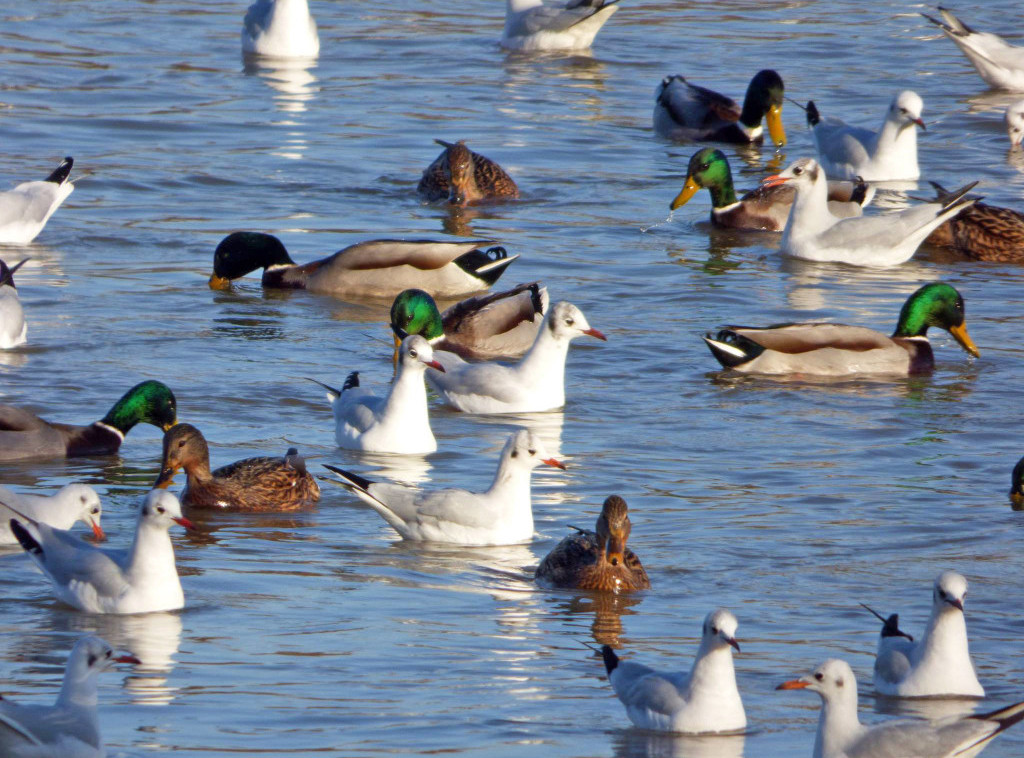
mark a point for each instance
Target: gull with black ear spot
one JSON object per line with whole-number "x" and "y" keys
{"x": 841, "y": 735}
{"x": 704, "y": 700}
{"x": 1015, "y": 123}
{"x": 71, "y": 503}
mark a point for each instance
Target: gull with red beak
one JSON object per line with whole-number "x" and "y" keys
{"x": 71, "y": 503}
{"x": 841, "y": 735}
{"x": 937, "y": 665}
{"x": 888, "y": 155}
{"x": 69, "y": 727}
{"x": 501, "y": 515}
{"x": 704, "y": 700}
{"x": 536, "y": 383}
{"x": 140, "y": 579}
{"x": 395, "y": 423}
{"x": 814, "y": 234}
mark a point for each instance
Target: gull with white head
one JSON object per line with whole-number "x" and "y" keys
{"x": 71, "y": 503}
{"x": 530, "y": 25}
{"x": 280, "y": 29}
{"x": 25, "y": 209}
{"x": 998, "y": 62}
{"x": 1015, "y": 123}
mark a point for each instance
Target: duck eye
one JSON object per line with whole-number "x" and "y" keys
{"x": 181, "y": 443}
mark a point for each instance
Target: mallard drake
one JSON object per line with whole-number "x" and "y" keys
{"x": 573, "y": 26}
{"x": 252, "y": 484}
{"x": 765, "y": 208}
{"x": 25, "y": 209}
{"x": 684, "y": 111}
{"x": 12, "y": 318}
{"x": 983, "y": 232}
{"x": 485, "y": 327}
{"x": 280, "y": 29}
{"x": 375, "y": 268}
{"x": 25, "y": 435}
{"x": 597, "y": 560}
{"x": 837, "y": 349}
{"x": 890, "y": 154}
{"x": 461, "y": 177}
{"x": 998, "y": 62}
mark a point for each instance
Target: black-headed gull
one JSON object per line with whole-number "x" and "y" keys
{"x": 12, "y": 317}
{"x": 999, "y": 63}
{"x": 701, "y": 701}
{"x": 530, "y": 25}
{"x": 890, "y": 154}
{"x": 398, "y": 422}
{"x": 140, "y": 579}
{"x": 71, "y": 503}
{"x": 25, "y": 209}
{"x": 501, "y": 515}
{"x": 814, "y": 234}
{"x": 1015, "y": 123}
{"x": 939, "y": 663}
{"x": 280, "y": 29}
{"x": 841, "y": 735}
{"x": 536, "y": 383}
{"x": 70, "y": 727}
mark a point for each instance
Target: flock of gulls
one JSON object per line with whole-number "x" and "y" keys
{"x": 818, "y": 204}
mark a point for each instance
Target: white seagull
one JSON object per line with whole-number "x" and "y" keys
{"x": 71, "y": 503}
{"x": 814, "y": 234}
{"x": 1000, "y": 64}
{"x": 1015, "y": 123}
{"x": 888, "y": 155}
{"x": 501, "y": 515}
{"x": 701, "y": 701}
{"x": 530, "y": 25}
{"x": 12, "y": 318}
{"x": 25, "y": 209}
{"x": 536, "y": 383}
{"x": 70, "y": 727}
{"x": 280, "y": 29}
{"x": 841, "y": 735}
{"x": 395, "y": 423}
{"x": 939, "y": 664}
{"x": 141, "y": 579}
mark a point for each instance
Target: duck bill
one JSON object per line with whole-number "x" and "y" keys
{"x": 595, "y": 333}
{"x": 688, "y": 191}
{"x": 775, "y": 129}
{"x": 793, "y": 684}
{"x": 165, "y": 479}
{"x": 97, "y": 531}
{"x": 960, "y": 334}
{"x": 435, "y": 364}
{"x": 554, "y": 462}
{"x": 127, "y": 659}
{"x": 167, "y": 427}
{"x": 219, "y": 282}
{"x": 182, "y": 521}
{"x": 616, "y": 550}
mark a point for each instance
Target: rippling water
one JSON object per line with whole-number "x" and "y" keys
{"x": 788, "y": 503}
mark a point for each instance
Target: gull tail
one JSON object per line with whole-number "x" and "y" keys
{"x": 60, "y": 174}
{"x": 611, "y": 660}
{"x": 26, "y": 540}
{"x": 1005, "y": 717}
{"x": 813, "y": 117}
{"x": 333, "y": 394}
{"x": 950, "y": 23}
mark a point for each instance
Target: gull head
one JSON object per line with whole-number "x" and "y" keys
{"x": 90, "y": 656}
{"x": 833, "y": 681}
{"x": 803, "y": 173}
{"x": 720, "y": 630}
{"x": 566, "y": 321}
{"x": 906, "y": 109}
{"x": 416, "y": 352}
{"x": 613, "y": 528}
{"x": 161, "y": 509}
{"x": 1015, "y": 123}
{"x": 949, "y": 593}
{"x": 525, "y": 449}
{"x": 86, "y": 502}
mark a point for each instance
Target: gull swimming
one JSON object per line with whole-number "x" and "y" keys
{"x": 1015, "y": 123}
{"x": 71, "y": 503}
{"x": 13, "y": 328}
{"x": 998, "y": 62}
{"x": 280, "y": 29}
{"x": 530, "y": 25}
{"x": 25, "y": 209}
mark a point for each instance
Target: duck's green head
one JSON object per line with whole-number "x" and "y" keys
{"x": 241, "y": 253}
{"x": 708, "y": 168}
{"x": 149, "y": 402}
{"x": 936, "y": 304}
{"x": 415, "y": 312}
{"x": 765, "y": 95}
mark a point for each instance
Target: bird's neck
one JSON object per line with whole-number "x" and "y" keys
{"x": 511, "y": 483}
{"x": 517, "y": 6}
{"x": 545, "y": 360}
{"x": 895, "y": 143}
{"x": 151, "y": 552}
{"x": 78, "y": 693}
{"x": 945, "y": 637}
{"x": 838, "y": 727}
{"x": 809, "y": 215}
{"x": 713, "y": 673}
{"x": 408, "y": 396}
{"x": 722, "y": 193}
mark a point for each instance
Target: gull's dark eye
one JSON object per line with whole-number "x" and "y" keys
{"x": 515, "y": 454}
{"x": 818, "y": 675}
{"x": 95, "y": 511}
{"x": 532, "y": 452}
{"x": 798, "y": 170}
{"x": 108, "y": 653}
{"x": 161, "y": 509}
{"x": 412, "y": 353}
{"x": 714, "y": 630}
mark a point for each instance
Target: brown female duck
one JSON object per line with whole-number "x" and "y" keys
{"x": 253, "y": 484}
{"x": 982, "y": 232}
{"x": 461, "y": 177}
{"x": 596, "y": 560}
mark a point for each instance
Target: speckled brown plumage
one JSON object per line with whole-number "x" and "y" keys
{"x": 983, "y": 232}
{"x": 596, "y": 560}
{"x": 253, "y": 484}
{"x": 462, "y": 177}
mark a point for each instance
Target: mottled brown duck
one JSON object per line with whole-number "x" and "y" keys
{"x": 258, "y": 485}
{"x": 463, "y": 177}
{"x": 596, "y": 560}
{"x": 982, "y": 232}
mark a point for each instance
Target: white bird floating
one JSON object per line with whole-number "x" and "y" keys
{"x": 25, "y": 209}
{"x": 71, "y": 503}
{"x": 939, "y": 664}
{"x": 70, "y": 727}
{"x": 536, "y": 383}
{"x": 1015, "y": 123}
{"x": 13, "y": 328}
{"x": 530, "y": 25}
{"x": 702, "y": 701}
{"x": 888, "y": 155}
{"x": 814, "y": 234}
{"x": 280, "y": 29}
{"x": 841, "y": 735}
{"x": 999, "y": 63}
{"x": 501, "y": 515}
{"x": 141, "y": 579}
{"x": 395, "y": 423}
